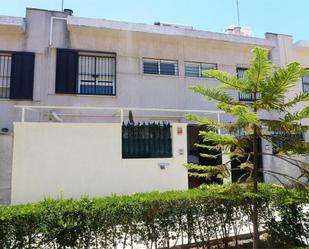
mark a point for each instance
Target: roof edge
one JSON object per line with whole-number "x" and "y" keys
{"x": 83, "y": 22}
{"x": 17, "y": 23}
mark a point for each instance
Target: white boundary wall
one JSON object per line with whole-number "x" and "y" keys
{"x": 70, "y": 159}
{"x": 6, "y": 147}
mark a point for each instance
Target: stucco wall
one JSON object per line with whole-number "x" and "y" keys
{"x": 51, "y": 159}
{"x": 6, "y": 147}
{"x": 133, "y": 88}
{"x": 276, "y": 164}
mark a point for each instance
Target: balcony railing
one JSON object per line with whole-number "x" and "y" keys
{"x": 247, "y": 96}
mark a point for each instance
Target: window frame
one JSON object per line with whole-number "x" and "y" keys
{"x": 9, "y": 76}
{"x": 305, "y": 83}
{"x": 277, "y": 145}
{"x": 245, "y": 94}
{"x": 102, "y": 55}
{"x": 200, "y": 65}
{"x": 159, "y": 61}
{"x": 22, "y": 71}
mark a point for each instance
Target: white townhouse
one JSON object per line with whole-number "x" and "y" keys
{"x": 82, "y": 76}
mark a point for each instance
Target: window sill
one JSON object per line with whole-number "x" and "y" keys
{"x": 18, "y": 100}
{"x": 150, "y": 158}
{"x": 98, "y": 96}
{"x": 245, "y": 100}
{"x": 161, "y": 75}
{"x": 83, "y": 95}
{"x": 198, "y": 78}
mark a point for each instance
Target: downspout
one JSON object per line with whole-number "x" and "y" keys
{"x": 51, "y": 27}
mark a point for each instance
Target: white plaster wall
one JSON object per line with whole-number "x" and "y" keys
{"x": 51, "y": 159}
{"x": 278, "y": 165}
{"x": 6, "y": 147}
{"x": 133, "y": 88}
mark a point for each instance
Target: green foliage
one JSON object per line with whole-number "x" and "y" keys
{"x": 259, "y": 70}
{"x": 154, "y": 219}
{"x": 214, "y": 94}
{"x": 268, "y": 85}
{"x": 292, "y": 227}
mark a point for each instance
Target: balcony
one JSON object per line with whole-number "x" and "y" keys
{"x": 247, "y": 96}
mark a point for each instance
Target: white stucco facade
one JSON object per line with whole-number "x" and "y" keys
{"x": 43, "y": 32}
{"x": 6, "y": 151}
{"x": 131, "y": 43}
{"x": 71, "y": 160}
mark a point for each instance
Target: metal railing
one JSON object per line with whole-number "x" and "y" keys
{"x": 247, "y": 96}
{"x": 120, "y": 110}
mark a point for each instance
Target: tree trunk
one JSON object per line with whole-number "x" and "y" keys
{"x": 255, "y": 185}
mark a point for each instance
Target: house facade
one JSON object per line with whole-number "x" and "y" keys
{"x": 51, "y": 58}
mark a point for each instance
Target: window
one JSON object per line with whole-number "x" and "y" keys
{"x": 5, "y": 75}
{"x": 96, "y": 75}
{"x": 16, "y": 75}
{"x": 85, "y": 73}
{"x": 280, "y": 140}
{"x": 195, "y": 69}
{"x": 160, "y": 67}
{"x": 244, "y": 96}
{"x": 306, "y": 83}
{"x": 241, "y": 72}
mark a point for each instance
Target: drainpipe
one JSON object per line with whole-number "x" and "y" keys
{"x": 51, "y": 27}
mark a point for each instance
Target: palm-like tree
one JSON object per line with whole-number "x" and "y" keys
{"x": 268, "y": 86}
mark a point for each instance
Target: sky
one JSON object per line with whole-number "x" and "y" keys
{"x": 277, "y": 16}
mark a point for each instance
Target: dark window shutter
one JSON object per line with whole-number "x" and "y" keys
{"x": 22, "y": 71}
{"x": 66, "y": 71}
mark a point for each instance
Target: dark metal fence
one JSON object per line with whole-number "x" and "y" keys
{"x": 152, "y": 140}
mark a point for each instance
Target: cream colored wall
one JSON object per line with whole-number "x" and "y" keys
{"x": 133, "y": 88}
{"x": 53, "y": 159}
{"x": 301, "y": 56}
{"x": 275, "y": 164}
{"x": 6, "y": 147}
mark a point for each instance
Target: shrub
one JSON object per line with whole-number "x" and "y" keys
{"x": 155, "y": 219}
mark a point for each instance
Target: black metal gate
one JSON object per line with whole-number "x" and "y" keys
{"x": 152, "y": 140}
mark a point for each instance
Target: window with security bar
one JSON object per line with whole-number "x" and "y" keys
{"x": 160, "y": 67}
{"x": 5, "y": 75}
{"x": 281, "y": 140}
{"x": 195, "y": 69}
{"x": 305, "y": 80}
{"x": 244, "y": 96}
{"x": 96, "y": 74}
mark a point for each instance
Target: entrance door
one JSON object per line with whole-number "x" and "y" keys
{"x": 195, "y": 157}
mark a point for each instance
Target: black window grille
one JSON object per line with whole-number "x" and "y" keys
{"x": 96, "y": 74}
{"x": 305, "y": 80}
{"x": 152, "y": 140}
{"x": 160, "y": 67}
{"x": 5, "y": 75}
{"x": 195, "y": 69}
{"x": 245, "y": 96}
{"x": 280, "y": 140}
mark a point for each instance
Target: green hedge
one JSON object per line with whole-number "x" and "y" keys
{"x": 155, "y": 219}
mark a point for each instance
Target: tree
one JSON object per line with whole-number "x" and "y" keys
{"x": 267, "y": 86}
{"x": 131, "y": 119}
